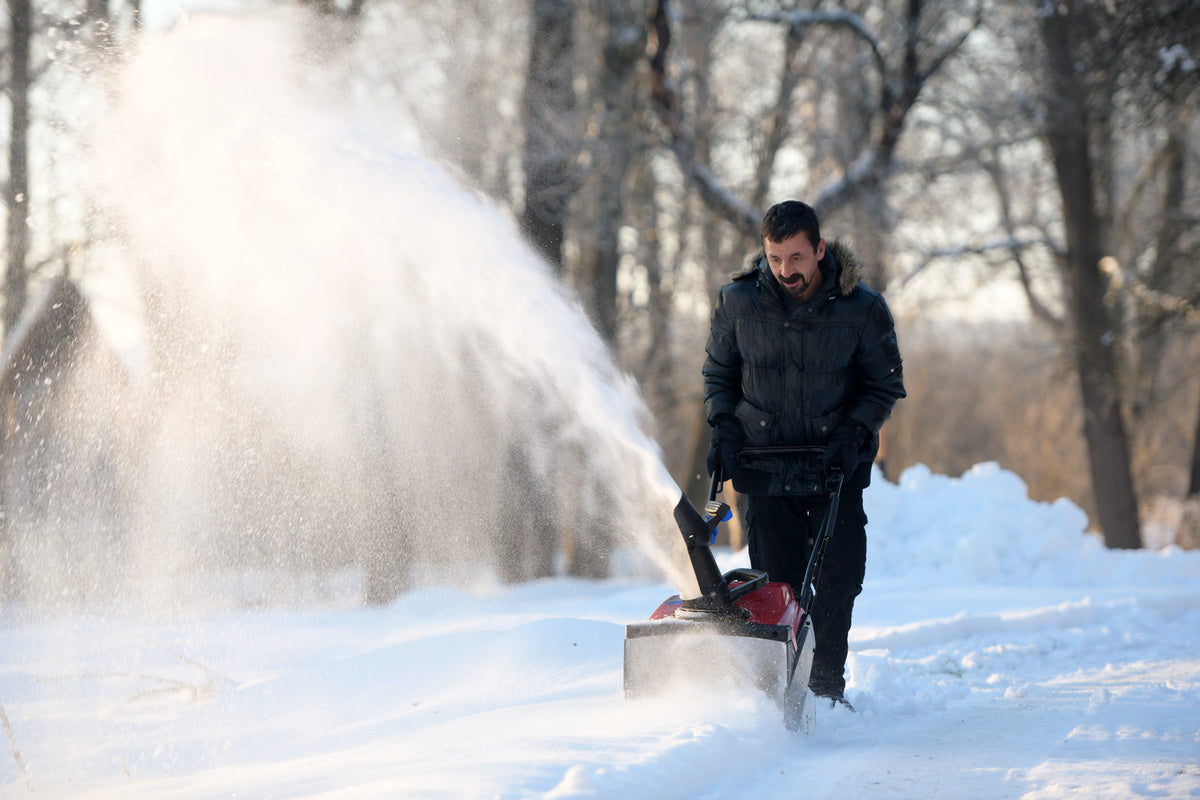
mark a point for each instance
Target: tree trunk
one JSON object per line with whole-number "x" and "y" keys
{"x": 549, "y": 127}
{"x": 1188, "y": 535}
{"x": 613, "y": 158}
{"x": 1067, "y": 134}
{"x": 16, "y": 192}
{"x": 775, "y": 122}
{"x": 1194, "y": 472}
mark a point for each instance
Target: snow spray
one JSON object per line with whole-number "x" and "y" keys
{"x": 346, "y": 358}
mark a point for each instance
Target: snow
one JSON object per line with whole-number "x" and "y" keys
{"x": 998, "y": 651}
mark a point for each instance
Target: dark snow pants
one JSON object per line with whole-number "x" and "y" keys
{"x": 781, "y": 532}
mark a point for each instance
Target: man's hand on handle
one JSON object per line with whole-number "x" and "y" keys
{"x": 844, "y": 446}
{"x": 726, "y": 442}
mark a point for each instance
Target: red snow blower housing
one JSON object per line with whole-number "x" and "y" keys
{"x": 743, "y": 625}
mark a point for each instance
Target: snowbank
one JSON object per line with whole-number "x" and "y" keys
{"x": 983, "y": 528}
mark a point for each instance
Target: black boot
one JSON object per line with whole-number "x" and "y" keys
{"x": 831, "y": 685}
{"x": 841, "y": 700}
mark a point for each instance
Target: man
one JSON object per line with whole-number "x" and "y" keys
{"x": 801, "y": 353}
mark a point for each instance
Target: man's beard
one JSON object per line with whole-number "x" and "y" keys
{"x": 797, "y": 287}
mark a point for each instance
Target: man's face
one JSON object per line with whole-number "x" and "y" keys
{"x": 794, "y": 264}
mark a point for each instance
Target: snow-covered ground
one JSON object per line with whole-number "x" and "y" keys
{"x": 998, "y": 651}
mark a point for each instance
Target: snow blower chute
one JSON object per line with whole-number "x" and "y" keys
{"x": 741, "y": 626}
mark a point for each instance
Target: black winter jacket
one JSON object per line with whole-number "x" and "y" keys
{"x": 790, "y": 377}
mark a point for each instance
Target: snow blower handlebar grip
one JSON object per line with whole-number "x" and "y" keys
{"x": 718, "y": 478}
{"x": 716, "y": 512}
{"x": 783, "y": 450}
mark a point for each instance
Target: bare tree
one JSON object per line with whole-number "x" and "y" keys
{"x": 1099, "y": 60}
{"x": 87, "y": 32}
{"x": 1068, "y": 135}
{"x": 16, "y": 189}
{"x": 682, "y": 138}
{"x": 550, "y": 138}
{"x": 900, "y": 86}
{"x": 613, "y": 149}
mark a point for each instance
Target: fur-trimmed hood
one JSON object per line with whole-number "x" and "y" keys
{"x": 838, "y": 256}
{"x": 850, "y": 272}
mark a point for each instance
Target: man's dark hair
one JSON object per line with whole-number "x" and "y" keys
{"x": 786, "y": 219}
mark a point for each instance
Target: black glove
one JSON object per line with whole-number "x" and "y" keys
{"x": 844, "y": 446}
{"x": 726, "y": 442}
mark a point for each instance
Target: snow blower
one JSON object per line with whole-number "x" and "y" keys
{"x": 741, "y": 626}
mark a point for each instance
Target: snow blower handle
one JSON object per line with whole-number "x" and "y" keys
{"x": 697, "y": 534}
{"x": 718, "y": 478}
{"x": 812, "y": 574}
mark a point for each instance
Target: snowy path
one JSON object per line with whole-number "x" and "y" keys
{"x": 516, "y": 693}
